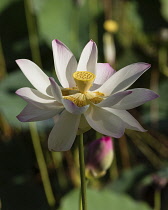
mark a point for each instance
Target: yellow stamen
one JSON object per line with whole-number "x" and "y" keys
{"x": 94, "y": 97}
{"x": 69, "y": 91}
{"x": 78, "y": 99}
{"x": 96, "y": 100}
{"x": 99, "y": 93}
{"x": 84, "y": 80}
{"x": 81, "y": 99}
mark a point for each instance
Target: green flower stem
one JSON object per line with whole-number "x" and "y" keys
{"x": 32, "y": 30}
{"x": 80, "y": 201}
{"x": 41, "y": 164}
{"x": 34, "y": 46}
{"x": 82, "y": 173}
{"x": 157, "y": 200}
{"x": 93, "y": 29}
{"x": 114, "y": 173}
{"x": 3, "y": 71}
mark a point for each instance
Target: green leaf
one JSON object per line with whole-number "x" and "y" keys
{"x": 65, "y": 21}
{"x": 164, "y": 9}
{"x": 103, "y": 199}
{"x": 55, "y": 21}
{"x": 11, "y": 105}
{"x": 128, "y": 180}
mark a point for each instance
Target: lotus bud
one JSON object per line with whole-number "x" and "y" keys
{"x": 98, "y": 157}
{"x": 159, "y": 181}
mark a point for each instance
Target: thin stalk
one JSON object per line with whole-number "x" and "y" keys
{"x": 145, "y": 149}
{"x": 80, "y": 197}
{"x": 80, "y": 201}
{"x": 93, "y": 28}
{"x": 72, "y": 169}
{"x": 32, "y": 30}
{"x": 157, "y": 199}
{"x": 82, "y": 173}
{"x": 114, "y": 173}
{"x": 125, "y": 159}
{"x": 3, "y": 71}
{"x": 154, "y": 106}
{"x": 41, "y": 164}
{"x": 34, "y": 46}
{"x": 57, "y": 160}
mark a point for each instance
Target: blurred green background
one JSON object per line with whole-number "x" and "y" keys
{"x": 125, "y": 31}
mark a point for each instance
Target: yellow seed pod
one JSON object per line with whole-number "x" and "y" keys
{"x": 83, "y": 80}
{"x": 111, "y": 26}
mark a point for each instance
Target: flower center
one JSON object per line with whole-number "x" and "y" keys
{"x": 83, "y": 80}
{"x": 80, "y": 95}
{"x": 81, "y": 99}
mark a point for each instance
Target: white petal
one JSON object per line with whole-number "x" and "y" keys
{"x": 56, "y": 118}
{"x": 36, "y": 98}
{"x": 64, "y": 132}
{"x": 105, "y": 122}
{"x": 138, "y": 97}
{"x": 65, "y": 63}
{"x": 56, "y": 91}
{"x": 88, "y": 58}
{"x": 83, "y": 125}
{"x": 113, "y": 99}
{"x": 32, "y": 113}
{"x": 73, "y": 108}
{"x": 123, "y": 78}
{"x": 35, "y": 75}
{"x": 129, "y": 121}
{"x": 103, "y": 72}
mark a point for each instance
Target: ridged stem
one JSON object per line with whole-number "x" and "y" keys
{"x": 32, "y": 30}
{"x": 34, "y": 46}
{"x": 82, "y": 174}
{"x": 3, "y": 71}
{"x": 41, "y": 164}
{"x": 157, "y": 200}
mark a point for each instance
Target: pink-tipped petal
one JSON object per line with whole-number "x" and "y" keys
{"x": 103, "y": 72}
{"x": 65, "y": 63}
{"x": 123, "y": 78}
{"x": 138, "y": 97}
{"x": 114, "y": 99}
{"x": 32, "y": 113}
{"x": 64, "y": 132}
{"x": 56, "y": 91}
{"x": 36, "y": 98}
{"x": 104, "y": 121}
{"x": 73, "y": 108}
{"x": 35, "y": 75}
{"x": 129, "y": 121}
{"x": 88, "y": 58}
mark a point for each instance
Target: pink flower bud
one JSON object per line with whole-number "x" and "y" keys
{"x": 98, "y": 157}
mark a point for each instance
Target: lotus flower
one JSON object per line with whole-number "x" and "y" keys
{"x": 98, "y": 157}
{"x": 90, "y": 94}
